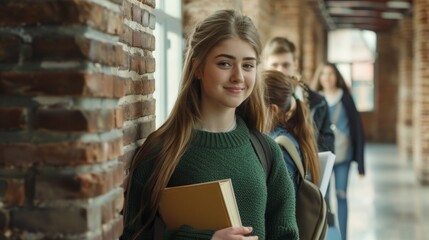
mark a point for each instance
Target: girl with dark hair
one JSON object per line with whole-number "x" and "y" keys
{"x": 348, "y": 130}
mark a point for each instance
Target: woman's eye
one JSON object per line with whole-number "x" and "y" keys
{"x": 248, "y": 66}
{"x": 224, "y": 64}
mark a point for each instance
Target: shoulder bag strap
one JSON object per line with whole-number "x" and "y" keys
{"x": 291, "y": 149}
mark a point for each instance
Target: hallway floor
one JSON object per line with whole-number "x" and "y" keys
{"x": 388, "y": 203}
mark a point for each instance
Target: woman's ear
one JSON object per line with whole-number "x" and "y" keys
{"x": 274, "y": 109}
{"x": 198, "y": 74}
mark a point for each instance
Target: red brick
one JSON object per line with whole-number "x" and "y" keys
{"x": 56, "y": 47}
{"x": 137, "y": 39}
{"x": 127, "y": 10}
{"x": 59, "y": 153}
{"x": 150, "y": 64}
{"x": 63, "y": 12}
{"x": 12, "y": 191}
{"x": 121, "y": 58}
{"x": 142, "y": 87}
{"x": 151, "y": 3}
{"x": 148, "y": 41}
{"x": 136, "y": 64}
{"x": 119, "y": 118}
{"x": 101, "y": 85}
{"x": 145, "y": 18}
{"x": 75, "y": 120}
{"x": 127, "y": 36}
{"x": 10, "y": 48}
{"x": 104, "y": 53}
{"x": 67, "y": 220}
{"x": 138, "y": 109}
{"x": 138, "y": 131}
{"x": 152, "y": 22}
{"x": 32, "y": 13}
{"x": 137, "y": 14}
{"x": 61, "y": 84}
{"x": 12, "y": 118}
{"x": 51, "y": 186}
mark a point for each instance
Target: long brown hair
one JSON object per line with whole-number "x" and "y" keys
{"x": 168, "y": 143}
{"x": 339, "y": 83}
{"x": 280, "y": 91}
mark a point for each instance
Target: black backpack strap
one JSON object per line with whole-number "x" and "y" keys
{"x": 263, "y": 150}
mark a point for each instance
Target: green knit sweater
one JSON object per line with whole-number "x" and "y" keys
{"x": 267, "y": 205}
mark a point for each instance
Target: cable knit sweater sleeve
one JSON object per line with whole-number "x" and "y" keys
{"x": 280, "y": 213}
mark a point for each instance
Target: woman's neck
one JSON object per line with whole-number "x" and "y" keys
{"x": 329, "y": 92}
{"x": 218, "y": 122}
{"x": 332, "y": 97}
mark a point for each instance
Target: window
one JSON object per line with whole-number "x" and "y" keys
{"x": 168, "y": 56}
{"x": 353, "y": 52}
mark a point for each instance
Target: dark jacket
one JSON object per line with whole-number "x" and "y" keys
{"x": 356, "y": 131}
{"x": 320, "y": 112}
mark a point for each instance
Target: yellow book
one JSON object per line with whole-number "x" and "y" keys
{"x": 209, "y": 205}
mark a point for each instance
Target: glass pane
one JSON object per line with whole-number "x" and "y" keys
{"x": 350, "y": 45}
{"x": 173, "y": 68}
{"x": 363, "y": 95}
{"x": 346, "y": 72}
{"x": 354, "y": 53}
{"x": 363, "y": 71}
{"x": 159, "y": 75}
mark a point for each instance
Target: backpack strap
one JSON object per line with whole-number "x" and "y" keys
{"x": 263, "y": 150}
{"x": 291, "y": 149}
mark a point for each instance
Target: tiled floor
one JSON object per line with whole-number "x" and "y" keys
{"x": 388, "y": 203}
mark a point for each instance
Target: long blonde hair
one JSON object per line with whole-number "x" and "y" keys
{"x": 280, "y": 91}
{"x": 168, "y": 143}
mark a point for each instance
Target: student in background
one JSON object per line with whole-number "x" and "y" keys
{"x": 290, "y": 119}
{"x": 280, "y": 54}
{"x": 349, "y": 134}
{"x": 206, "y": 136}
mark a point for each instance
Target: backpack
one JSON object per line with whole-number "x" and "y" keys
{"x": 311, "y": 209}
{"x": 262, "y": 149}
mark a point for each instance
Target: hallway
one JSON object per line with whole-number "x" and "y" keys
{"x": 388, "y": 203}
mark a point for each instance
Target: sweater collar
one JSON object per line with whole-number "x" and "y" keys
{"x": 230, "y": 139}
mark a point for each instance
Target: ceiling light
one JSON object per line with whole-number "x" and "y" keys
{"x": 340, "y": 10}
{"x": 398, "y": 4}
{"x": 391, "y": 15}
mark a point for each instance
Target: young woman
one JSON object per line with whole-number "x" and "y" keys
{"x": 349, "y": 136}
{"x": 206, "y": 138}
{"x": 290, "y": 119}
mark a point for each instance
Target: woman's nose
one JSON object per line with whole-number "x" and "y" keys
{"x": 237, "y": 75}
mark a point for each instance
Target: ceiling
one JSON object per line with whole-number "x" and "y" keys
{"x": 375, "y": 15}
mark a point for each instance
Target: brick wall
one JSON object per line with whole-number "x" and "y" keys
{"x": 75, "y": 85}
{"x": 260, "y": 12}
{"x": 313, "y": 42}
{"x": 405, "y": 86}
{"x": 286, "y": 20}
{"x": 421, "y": 90}
{"x": 196, "y": 10}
